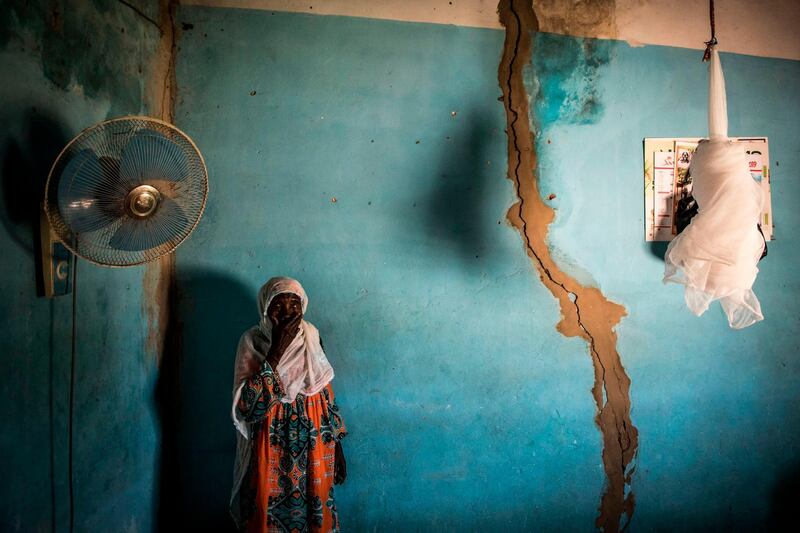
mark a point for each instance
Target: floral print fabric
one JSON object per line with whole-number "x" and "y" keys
{"x": 289, "y": 484}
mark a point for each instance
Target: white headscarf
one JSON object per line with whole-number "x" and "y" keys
{"x": 303, "y": 368}
{"x": 716, "y": 255}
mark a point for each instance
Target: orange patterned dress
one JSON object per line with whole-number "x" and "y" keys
{"x": 288, "y": 487}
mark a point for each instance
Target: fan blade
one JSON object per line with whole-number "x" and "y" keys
{"x": 150, "y": 156}
{"x": 82, "y": 200}
{"x": 168, "y": 223}
{"x": 130, "y": 236}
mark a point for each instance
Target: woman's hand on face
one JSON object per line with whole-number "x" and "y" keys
{"x": 283, "y": 333}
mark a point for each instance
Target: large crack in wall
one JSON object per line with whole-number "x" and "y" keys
{"x": 585, "y": 311}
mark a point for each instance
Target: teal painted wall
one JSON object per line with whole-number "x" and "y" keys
{"x": 466, "y": 409}
{"x": 67, "y": 65}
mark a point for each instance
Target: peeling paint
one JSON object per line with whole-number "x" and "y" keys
{"x": 585, "y": 18}
{"x": 585, "y": 311}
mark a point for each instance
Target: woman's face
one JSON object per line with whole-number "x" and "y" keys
{"x": 284, "y": 307}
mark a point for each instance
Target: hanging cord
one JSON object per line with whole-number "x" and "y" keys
{"x": 713, "y": 41}
{"x": 72, "y": 388}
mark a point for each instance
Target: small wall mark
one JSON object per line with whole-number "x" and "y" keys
{"x": 585, "y": 311}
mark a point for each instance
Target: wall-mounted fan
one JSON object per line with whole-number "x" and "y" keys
{"x": 126, "y": 191}
{"x": 121, "y": 193}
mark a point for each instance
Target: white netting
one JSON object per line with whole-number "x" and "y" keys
{"x": 715, "y": 256}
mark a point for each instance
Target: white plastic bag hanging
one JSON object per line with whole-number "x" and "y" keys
{"x": 715, "y": 256}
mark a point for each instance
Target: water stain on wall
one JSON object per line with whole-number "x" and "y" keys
{"x": 567, "y": 72}
{"x": 587, "y": 18}
{"x": 585, "y": 311}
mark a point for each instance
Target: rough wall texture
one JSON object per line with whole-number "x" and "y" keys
{"x": 585, "y": 18}
{"x": 66, "y": 66}
{"x": 459, "y": 391}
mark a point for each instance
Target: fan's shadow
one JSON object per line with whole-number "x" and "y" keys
{"x": 784, "y": 496}
{"x": 26, "y": 161}
{"x": 458, "y": 210}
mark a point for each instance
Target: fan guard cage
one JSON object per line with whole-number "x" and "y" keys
{"x": 88, "y": 193}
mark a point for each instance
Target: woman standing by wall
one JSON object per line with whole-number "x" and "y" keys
{"x": 289, "y": 454}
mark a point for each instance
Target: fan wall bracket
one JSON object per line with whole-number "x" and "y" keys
{"x": 56, "y": 260}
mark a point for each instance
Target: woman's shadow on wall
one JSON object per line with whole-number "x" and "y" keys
{"x": 193, "y": 397}
{"x": 783, "y": 504}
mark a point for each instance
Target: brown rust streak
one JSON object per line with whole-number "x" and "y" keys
{"x": 162, "y": 85}
{"x": 160, "y": 292}
{"x": 585, "y": 312}
{"x": 159, "y": 276}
